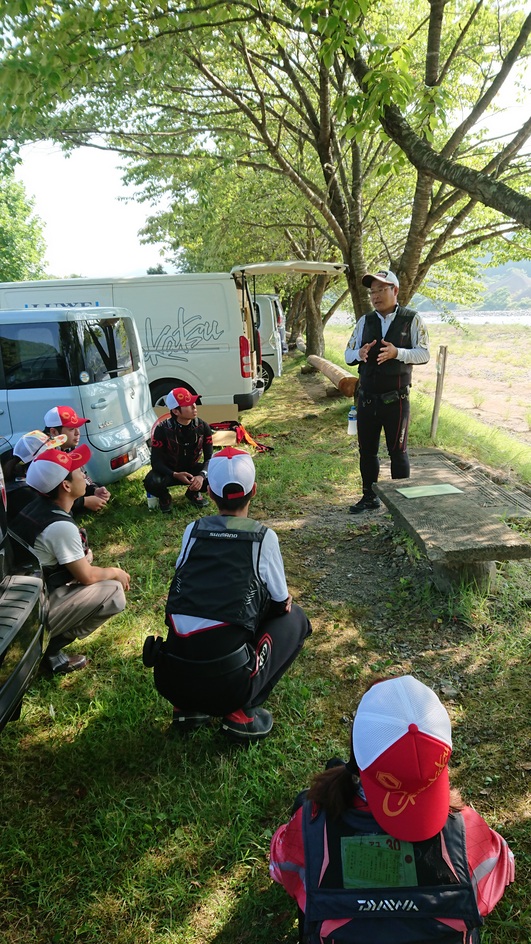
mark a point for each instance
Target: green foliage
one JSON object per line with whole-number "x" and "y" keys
{"x": 22, "y": 245}
{"x": 269, "y": 108}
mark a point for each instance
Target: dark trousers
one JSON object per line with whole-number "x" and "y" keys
{"x": 157, "y": 484}
{"x": 277, "y": 644}
{"x": 373, "y": 416}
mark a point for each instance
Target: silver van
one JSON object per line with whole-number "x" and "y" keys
{"x": 270, "y": 337}
{"x": 89, "y": 359}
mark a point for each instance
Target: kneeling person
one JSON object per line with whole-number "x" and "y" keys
{"x": 181, "y": 448}
{"x": 64, "y": 421}
{"x": 81, "y": 596}
{"x": 233, "y": 629}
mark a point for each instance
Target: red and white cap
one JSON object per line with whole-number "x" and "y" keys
{"x": 231, "y": 473}
{"x": 29, "y": 445}
{"x": 179, "y": 397}
{"x": 50, "y": 468}
{"x": 383, "y": 275}
{"x": 402, "y": 741}
{"x": 63, "y": 416}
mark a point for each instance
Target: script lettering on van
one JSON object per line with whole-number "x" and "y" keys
{"x": 176, "y": 341}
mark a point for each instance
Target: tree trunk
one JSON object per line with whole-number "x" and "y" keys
{"x": 313, "y": 296}
{"x": 295, "y": 318}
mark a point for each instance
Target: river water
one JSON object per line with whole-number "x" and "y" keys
{"x": 466, "y": 316}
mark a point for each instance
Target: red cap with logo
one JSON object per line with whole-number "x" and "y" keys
{"x": 179, "y": 397}
{"x": 63, "y": 416}
{"x": 50, "y": 468}
{"x": 402, "y": 741}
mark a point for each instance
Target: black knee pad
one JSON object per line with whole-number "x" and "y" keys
{"x": 151, "y": 650}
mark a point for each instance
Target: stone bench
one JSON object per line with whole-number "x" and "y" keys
{"x": 454, "y": 516}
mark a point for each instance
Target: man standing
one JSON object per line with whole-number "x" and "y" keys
{"x": 81, "y": 596}
{"x": 385, "y": 343}
{"x": 233, "y": 629}
{"x": 178, "y": 445}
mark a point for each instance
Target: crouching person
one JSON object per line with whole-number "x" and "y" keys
{"x": 81, "y": 595}
{"x": 381, "y": 849}
{"x": 233, "y": 629}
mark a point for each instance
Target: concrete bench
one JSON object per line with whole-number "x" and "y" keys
{"x": 454, "y": 517}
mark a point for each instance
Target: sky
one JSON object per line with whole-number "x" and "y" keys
{"x": 89, "y": 231}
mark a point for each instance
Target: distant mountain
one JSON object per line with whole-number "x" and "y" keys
{"x": 506, "y": 287}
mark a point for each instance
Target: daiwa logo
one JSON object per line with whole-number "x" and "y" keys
{"x": 386, "y": 904}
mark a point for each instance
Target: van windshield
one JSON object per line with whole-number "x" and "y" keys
{"x": 67, "y": 353}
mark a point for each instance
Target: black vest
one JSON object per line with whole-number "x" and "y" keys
{"x": 31, "y": 522}
{"x": 393, "y": 374}
{"x": 389, "y": 891}
{"x": 218, "y": 580}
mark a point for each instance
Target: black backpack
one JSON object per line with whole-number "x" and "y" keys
{"x": 389, "y": 891}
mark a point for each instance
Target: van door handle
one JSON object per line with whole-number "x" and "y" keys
{"x": 99, "y": 404}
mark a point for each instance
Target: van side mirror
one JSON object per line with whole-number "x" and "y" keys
{"x": 257, "y": 313}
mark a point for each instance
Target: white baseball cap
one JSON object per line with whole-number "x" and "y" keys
{"x": 231, "y": 473}
{"x": 383, "y": 275}
{"x": 29, "y": 445}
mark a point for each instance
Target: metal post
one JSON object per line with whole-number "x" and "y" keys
{"x": 441, "y": 367}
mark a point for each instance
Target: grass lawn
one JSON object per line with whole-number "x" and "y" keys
{"x": 113, "y": 832}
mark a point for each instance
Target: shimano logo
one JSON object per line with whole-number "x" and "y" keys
{"x": 386, "y": 904}
{"x": 221, "y": 534}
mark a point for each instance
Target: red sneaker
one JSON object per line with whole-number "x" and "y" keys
{"x": 246, "y": 727}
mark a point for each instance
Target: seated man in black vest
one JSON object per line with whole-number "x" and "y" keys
{"x": 181, "y": 448}
{"x": 382, "y": 848}
{"x": 81, "y": 595}
{"x": 385, "y": 343}
{"x": 233, "y": 629}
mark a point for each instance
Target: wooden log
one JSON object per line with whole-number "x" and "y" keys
{"x": 345, "y": 382}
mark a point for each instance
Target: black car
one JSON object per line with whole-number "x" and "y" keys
{"x": 23, "y": 636}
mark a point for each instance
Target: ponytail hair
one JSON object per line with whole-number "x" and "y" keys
{"x": 335, "y": 788}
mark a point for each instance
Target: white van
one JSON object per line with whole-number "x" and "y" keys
{"x": 197, "y": 330}
{"x": 270, "y": 338}
{"x": 86, "y": 358}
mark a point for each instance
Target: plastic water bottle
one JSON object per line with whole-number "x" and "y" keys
{"x": 152, "y": 502}
{"x": 352, "y": 428}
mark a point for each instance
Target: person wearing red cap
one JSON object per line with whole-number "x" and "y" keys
{"x": 385, "y": 344}
{"x": 181, "y": 448}
{"x": 81, "y": 596}
{"x": 382, "y": 848}
{"x": 64, "y": 421}
{"x": 233, "y": 629}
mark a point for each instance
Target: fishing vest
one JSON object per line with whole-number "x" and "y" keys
{"x": 393, "y": 374}
{"x": 389, "y": 890}
{"x": 217, "y": 580}
{"x": 32, "y": 521}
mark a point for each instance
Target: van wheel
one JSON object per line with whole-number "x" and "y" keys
{"x": 266, "y": 374}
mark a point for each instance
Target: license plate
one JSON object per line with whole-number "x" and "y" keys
{"x": 143, "y": 454}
